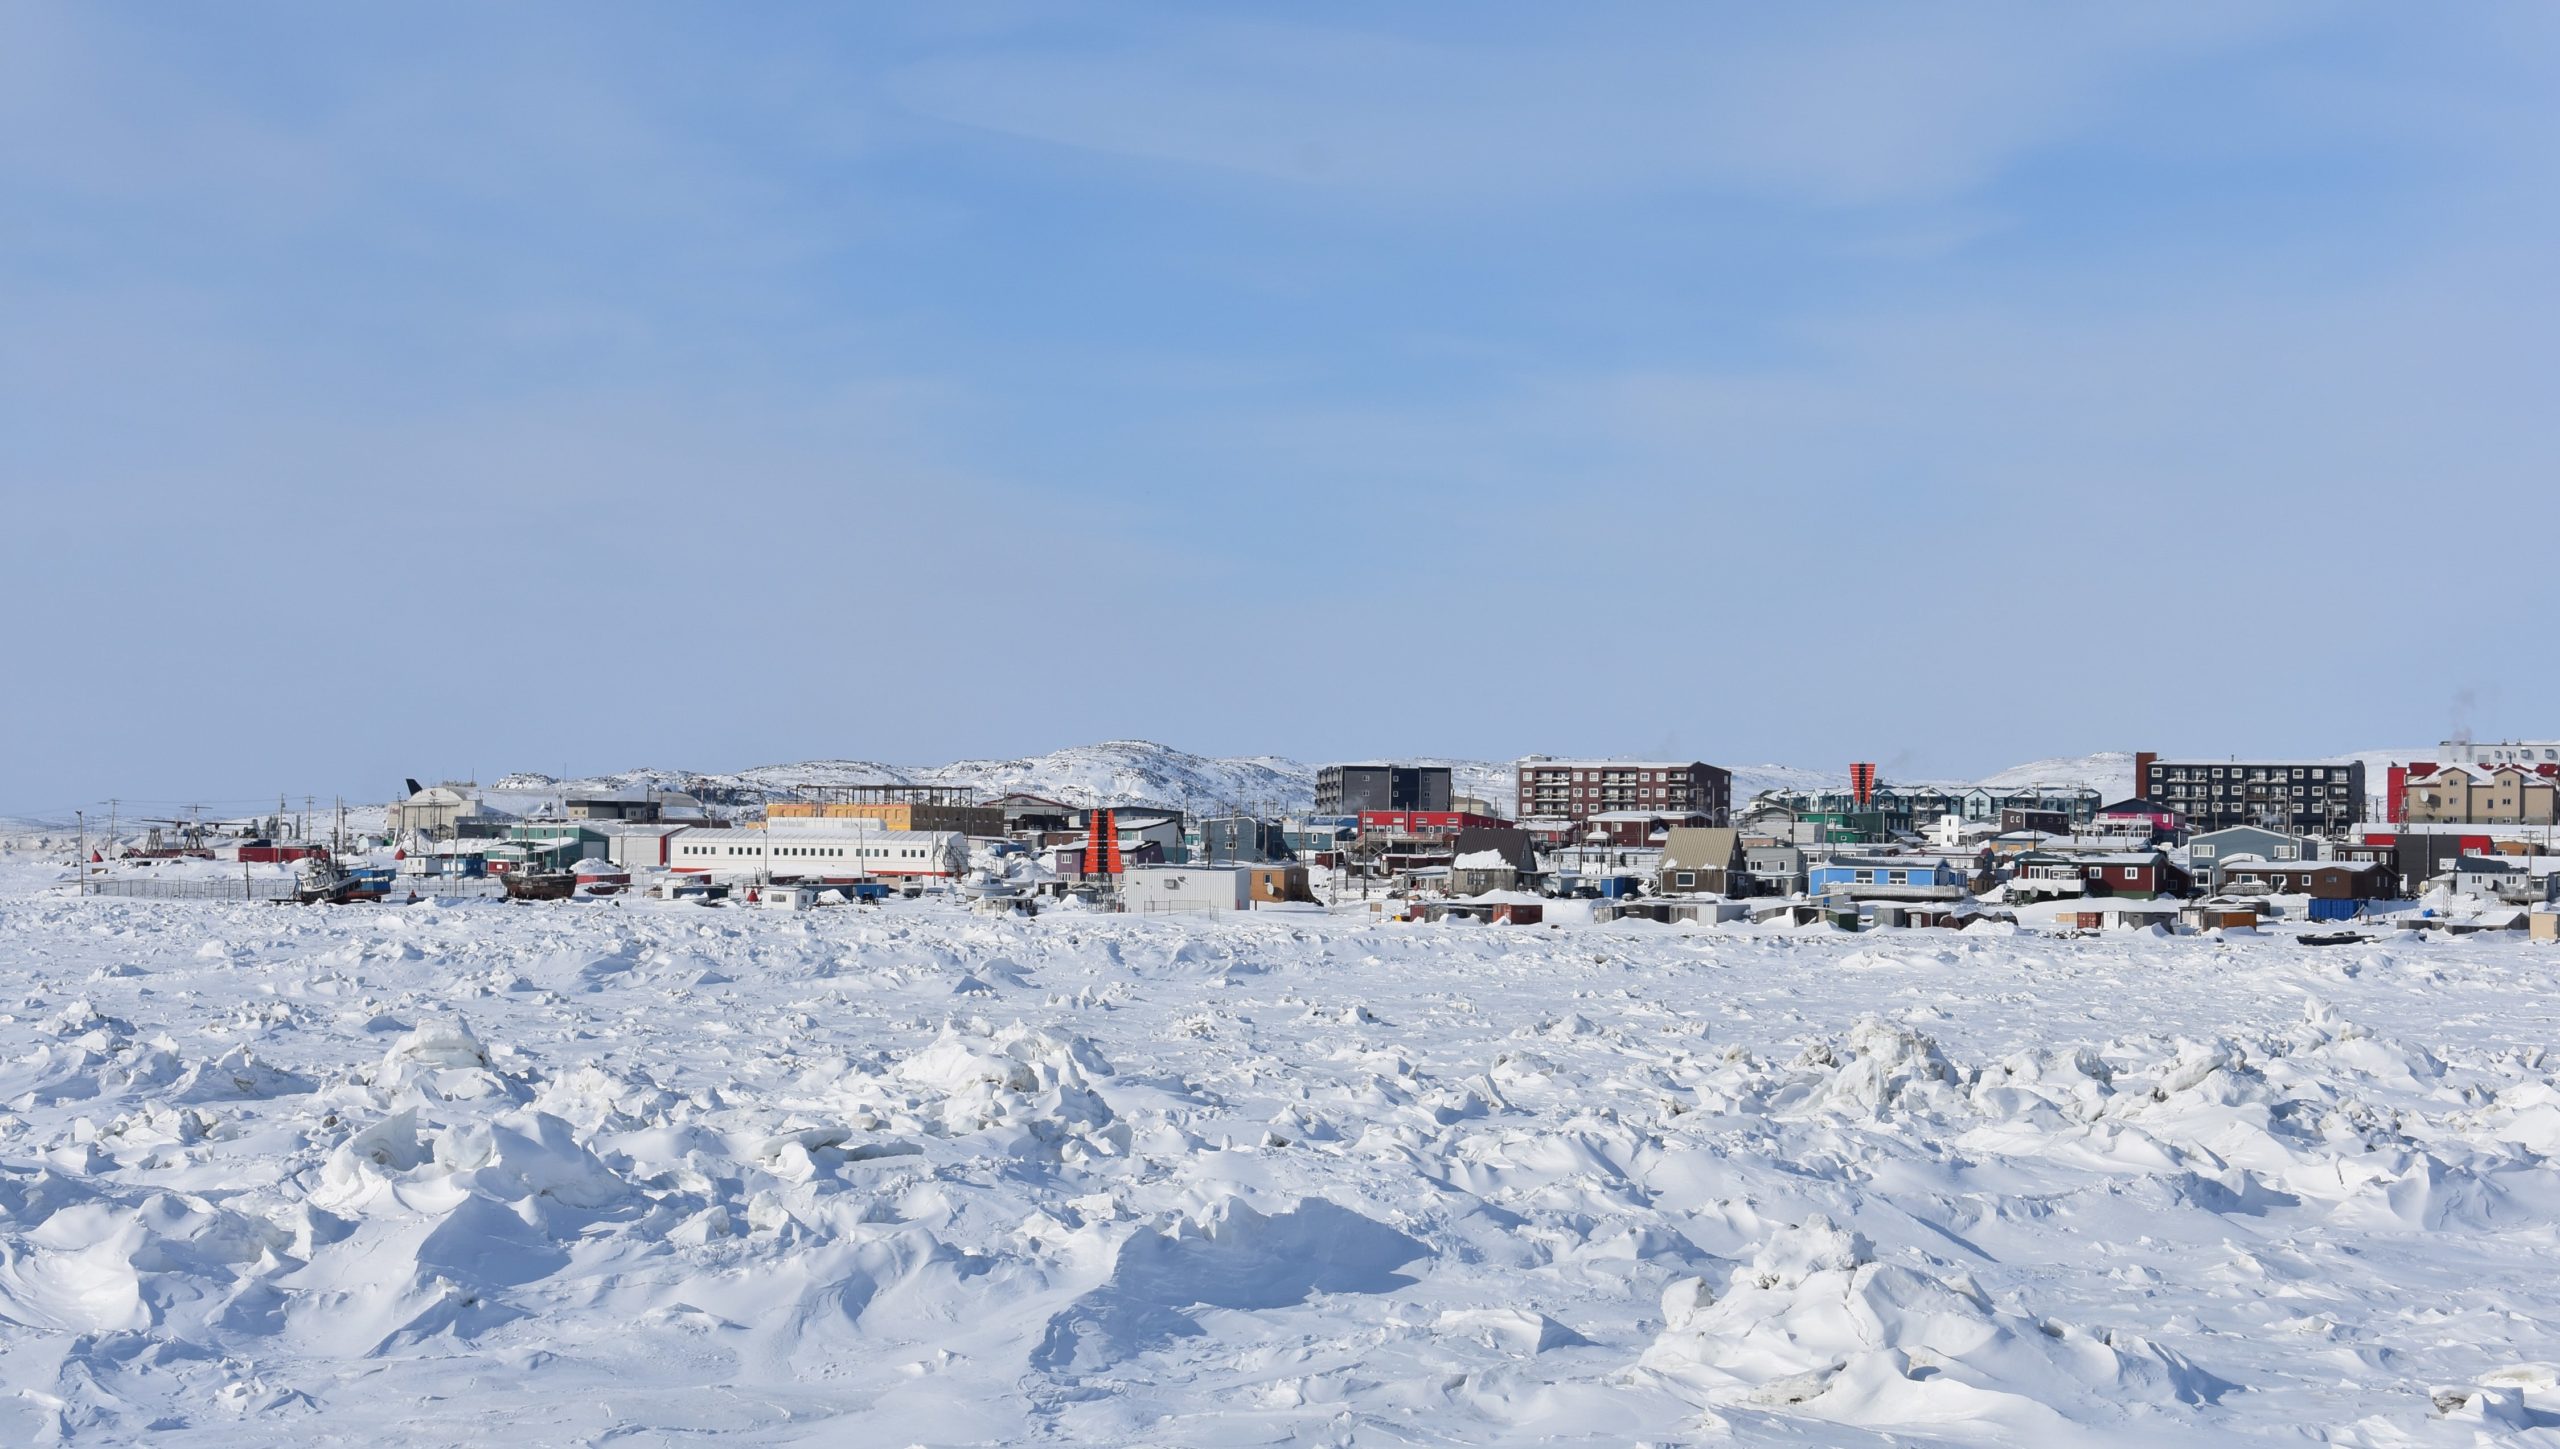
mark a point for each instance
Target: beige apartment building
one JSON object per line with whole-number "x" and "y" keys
{"x": 2477, "y": 795}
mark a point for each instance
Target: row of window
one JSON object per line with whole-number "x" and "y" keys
{"x": 1634, "y": 794}
{"x": 2243, "y": 791}
{"x": 821, "y": 852}
{"x": 2430, "y": 797}
{"x": 2205, "y": 852}
{"x": 2247, "y": 772}
{"x": 1613, "y": 777}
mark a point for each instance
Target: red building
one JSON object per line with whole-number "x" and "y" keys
{"x": 1421, "y": 824}
{"x": 2395, "y": 794}
{"x": 1638, "y": 827}
{"x": 262, "y": 853}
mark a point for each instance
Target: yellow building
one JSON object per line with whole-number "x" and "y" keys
{"x": 898, "y": 815}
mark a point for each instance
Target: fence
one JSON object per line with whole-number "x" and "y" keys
{"x": 450, "y": 887}
{"x": 218, "y": 888}
{"x": 285, "y": 889}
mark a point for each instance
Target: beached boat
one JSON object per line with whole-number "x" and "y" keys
{"x": 540, "y": 885}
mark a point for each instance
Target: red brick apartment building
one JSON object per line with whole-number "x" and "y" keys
{"x": 1576, "y": 790}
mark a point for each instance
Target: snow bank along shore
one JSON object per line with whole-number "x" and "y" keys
{"x": 909, "y": 1175}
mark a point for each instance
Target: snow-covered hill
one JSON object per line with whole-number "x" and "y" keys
{"x": 1113, "y": 772}
{"x": 1144, "y": 772}
{"x": 2109, "y": 772}
{"x": 1750, "y": 780}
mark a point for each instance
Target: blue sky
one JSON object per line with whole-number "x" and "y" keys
{"x": 420, "y": 390}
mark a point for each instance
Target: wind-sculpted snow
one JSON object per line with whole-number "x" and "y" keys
{"x": 456, "y": 1173}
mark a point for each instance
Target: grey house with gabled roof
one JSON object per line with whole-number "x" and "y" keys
{"x": 2207, "y": 853}
{"x": 1700, "y": 860}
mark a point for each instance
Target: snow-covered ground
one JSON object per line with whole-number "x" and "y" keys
{"x": 909, "y": 1175}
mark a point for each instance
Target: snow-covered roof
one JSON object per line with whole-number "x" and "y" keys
{"x": 795, "y": 838}
{"x": 1482, "y": 860}
{"x": 2549, "y": 834}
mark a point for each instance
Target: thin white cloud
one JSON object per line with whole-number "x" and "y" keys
{"x": 1832, "y": 105}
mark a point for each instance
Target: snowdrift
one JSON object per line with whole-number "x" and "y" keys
{"x": 921, "y": 1176}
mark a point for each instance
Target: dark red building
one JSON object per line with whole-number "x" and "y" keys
{"x": 1423, "y": 824}
{"x": 1576, "y": 790}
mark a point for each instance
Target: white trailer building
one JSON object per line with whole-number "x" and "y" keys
{"x": 836, "y": 857}
{"x": 1186, "y": 889}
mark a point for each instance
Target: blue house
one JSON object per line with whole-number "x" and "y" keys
{"x": 1885, "y": 877}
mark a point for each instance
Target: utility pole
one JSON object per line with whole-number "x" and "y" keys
{"x": 83, "y": 817}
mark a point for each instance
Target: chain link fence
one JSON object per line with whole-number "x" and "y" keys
{"x": 218, "y": 888}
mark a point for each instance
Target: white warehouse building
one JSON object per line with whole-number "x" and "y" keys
{"x": 838, "y": 856}
{"x": 640, "y": 847}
